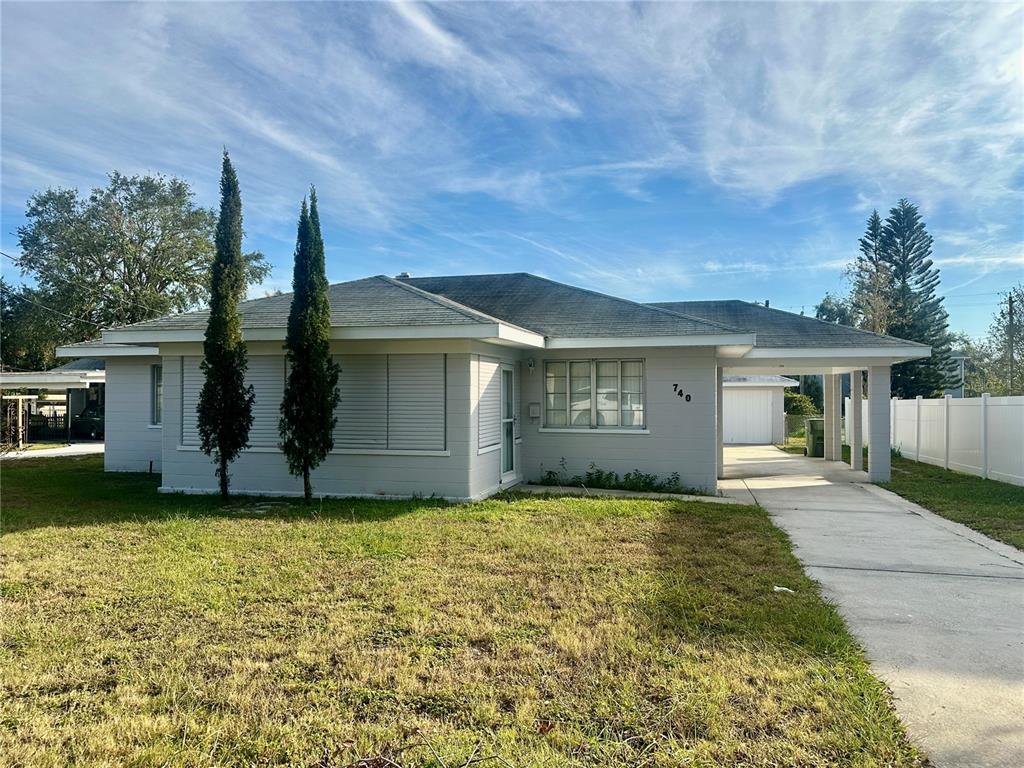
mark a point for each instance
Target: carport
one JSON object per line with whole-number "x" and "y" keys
{"x": 788, "y": 345}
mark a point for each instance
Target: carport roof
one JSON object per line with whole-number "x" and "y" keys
{"x": 776, "y": 328}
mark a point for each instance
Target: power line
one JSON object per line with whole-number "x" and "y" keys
{"x": 121, "y": 300}
{"x": 54, "y": 311}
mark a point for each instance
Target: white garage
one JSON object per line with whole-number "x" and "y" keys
{"x": 753, "y": 409}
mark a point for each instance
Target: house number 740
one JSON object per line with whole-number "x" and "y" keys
{"x": 679, "y": 392}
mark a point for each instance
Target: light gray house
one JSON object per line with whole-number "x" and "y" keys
{"x": 462, "y": 386}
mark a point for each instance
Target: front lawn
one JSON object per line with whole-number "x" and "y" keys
{"x": 147, "y": 629}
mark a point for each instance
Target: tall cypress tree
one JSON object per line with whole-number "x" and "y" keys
{"x": 311, "y": 391}
{"x": 916, "y": 309}
{"x": 872, "y": 280}
{"x": 225, "y": 402}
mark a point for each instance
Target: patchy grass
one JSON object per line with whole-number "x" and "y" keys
{"x": 988, "y": 506}
{"x": 146, "y": 629}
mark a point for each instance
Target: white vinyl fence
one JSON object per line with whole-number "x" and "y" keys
{"x": 978, "y": 435}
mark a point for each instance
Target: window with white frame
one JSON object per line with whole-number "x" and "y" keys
{"x": 594, "y": 394}
{"x": 156, "y": 394}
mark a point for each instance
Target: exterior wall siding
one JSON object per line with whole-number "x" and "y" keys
{"x": 485, "y": 475}
{"x": 679, "y": 435}
{"x": 346, "y": 471}
{"x": 131, "y": 442}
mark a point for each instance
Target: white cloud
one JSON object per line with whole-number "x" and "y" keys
{"x": 387, "y": 108}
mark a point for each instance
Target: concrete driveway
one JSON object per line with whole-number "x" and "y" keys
{"x": 75, "y": 449}
{"x": 938, "y": 607}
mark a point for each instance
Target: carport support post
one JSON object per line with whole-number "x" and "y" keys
{"x": 719, "y": 432}
{"x": 879, "y": 442}
{"x": 828, "y": 393}
{"x": 837, "y": 417}
{"x": 854, "y": 420}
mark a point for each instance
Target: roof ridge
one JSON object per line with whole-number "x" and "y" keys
{"x": 439, "y": 300}
{"x": 841, "y": 325}
{"x": 637, "y": 303}
{"x": 444, "y": 301}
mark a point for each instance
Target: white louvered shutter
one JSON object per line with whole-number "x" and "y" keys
{"x": 191, "y": 384}
{"x": 416, "y": 407}
{"x": 489, "y": 409}
{"x": 517, "y": 377}
{"x": 362, "y": 412}
{"x": 265, "y": 374}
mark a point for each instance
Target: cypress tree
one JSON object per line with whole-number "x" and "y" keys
{"x": 872, "y": 279}
{"x": 916, "y": 311}
{"x": 311, "y": 391}
{"x": 225, "y": 402}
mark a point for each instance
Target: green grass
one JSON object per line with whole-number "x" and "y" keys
{"x": 988, "y": 506}
{"x": 145, "y": 629}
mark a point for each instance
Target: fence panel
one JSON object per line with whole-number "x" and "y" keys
{"x": 965, "y": 435}
{"x": 932, "y": 431}
{"x": 1006, "y": 439}
{"x": 979, "y": 435}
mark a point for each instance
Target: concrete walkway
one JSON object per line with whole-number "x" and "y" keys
{"x": 938, "y": 607}
{"x": 75, "y": 449}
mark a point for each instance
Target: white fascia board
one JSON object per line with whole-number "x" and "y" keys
{"x": 733, "y": 350}
{"x": 898, "y": 354}
{"x": 699, "y": 340}
{"x": 513, "y": 335}
{"x": 757, "y": 384}
{"x": 44, "y": 380}
{"x": 484, "y": 331}
{"x": 108, "y": 350}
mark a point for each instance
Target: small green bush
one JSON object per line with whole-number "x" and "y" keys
{"x": 799, "y": 405}
{"x": 595, "y": 477}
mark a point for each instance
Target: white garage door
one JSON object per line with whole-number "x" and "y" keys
{"x": 747, "y": 416}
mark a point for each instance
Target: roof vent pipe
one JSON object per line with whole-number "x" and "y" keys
{"x": 767, "y": 304}
{"x": 402, "y": 276}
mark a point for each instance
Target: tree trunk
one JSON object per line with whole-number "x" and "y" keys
{"x": 307, "y": 488}
{"x": 223, "y": 478}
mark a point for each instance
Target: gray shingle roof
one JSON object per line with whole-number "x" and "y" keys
{"x": 370, "y": 302}
{"x": 775, "y": 328}
{"x": 556, "y": 309}
{"x": 83, "y": 364}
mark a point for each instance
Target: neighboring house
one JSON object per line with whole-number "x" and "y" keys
{"x": 754, "y": 409}
{"x": 462, "y": 386}
{"x": 958, "y": 374}
{"x": 75, "y": 390}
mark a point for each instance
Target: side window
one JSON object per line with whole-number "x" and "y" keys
{"x": 156, "y": 394}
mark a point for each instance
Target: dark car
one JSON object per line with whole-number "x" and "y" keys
{"x": 89, "y": 423}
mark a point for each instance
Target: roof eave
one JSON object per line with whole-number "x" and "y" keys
{"x": 497, "y": 332}
{"x": 737, "y": 341}
{"x": 897, "y": 353}
{"x": 107, "y": 350}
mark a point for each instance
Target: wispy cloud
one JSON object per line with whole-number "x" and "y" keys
{"x": 642, "y": 146}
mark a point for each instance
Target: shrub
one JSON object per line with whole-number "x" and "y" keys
{"x": 595, "y": 477}
{"x": 799, "y": 405}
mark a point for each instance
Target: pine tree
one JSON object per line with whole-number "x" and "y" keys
{"x": 916, "y": 311}
{"x": 872, "y": 280}
{"x": 311, "y": 391}
{"x": 225, "y": 402}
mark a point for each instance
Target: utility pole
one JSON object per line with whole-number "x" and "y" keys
{"x": 1010, "y": 340}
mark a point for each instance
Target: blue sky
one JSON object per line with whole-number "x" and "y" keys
{"x": 656, "y": 152}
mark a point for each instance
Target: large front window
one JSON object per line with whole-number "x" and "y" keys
{"x": 594, "y": 393}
